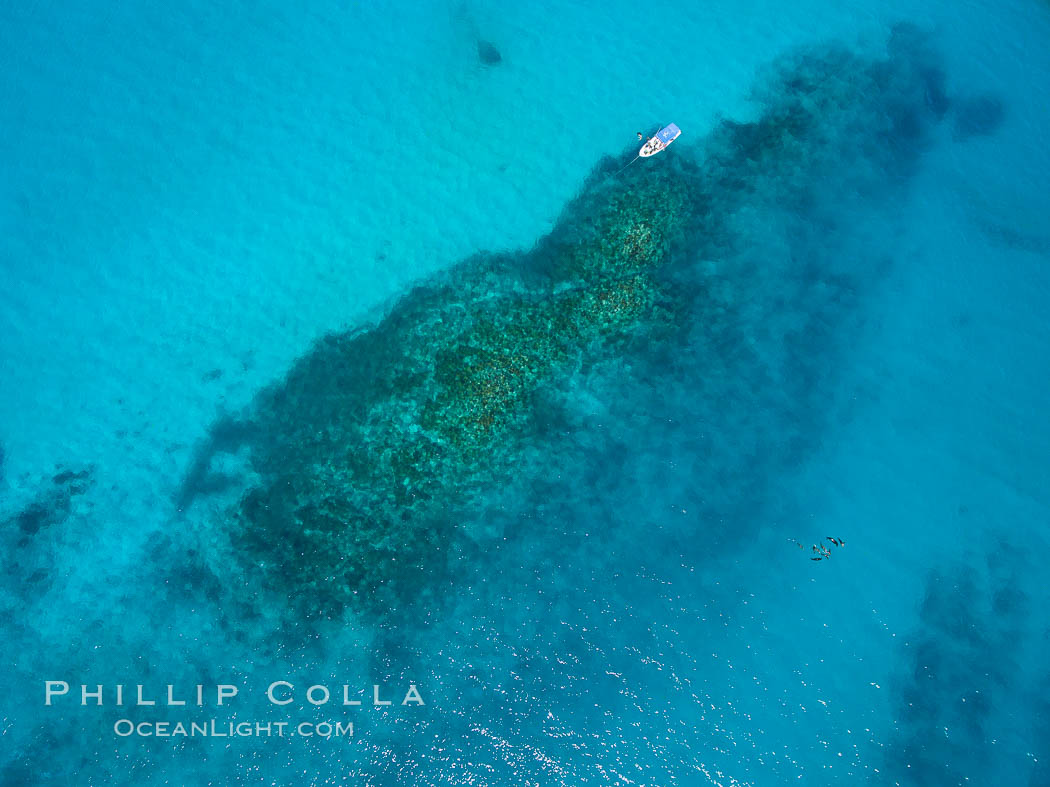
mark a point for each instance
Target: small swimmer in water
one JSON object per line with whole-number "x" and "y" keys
{"x": 837, "y": 541}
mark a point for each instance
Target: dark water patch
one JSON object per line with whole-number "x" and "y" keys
{"x": 183, "y": 574}
{"x": 1015, "y": 239}
{"x": 226, "y": 436}
{"x": 1040, "y": 755}
{"x": 488, "y": 54}
{"x": 52, "y": 504}
{"x": 76, "y": 481}
{"x": 35, "y": 765}
{"x": 936, "y": 92}
{"x": 978, "y": 116}
{"x": 694, "y": 301}
{"x": 962, "y": 671}
{"x": 37, "y": 515}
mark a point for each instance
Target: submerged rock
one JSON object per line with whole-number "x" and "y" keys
{"x": 375, "y": 440}
{"x": 488, "y": 54}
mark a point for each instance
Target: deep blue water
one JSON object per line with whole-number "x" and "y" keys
{"x": 265, "y": 272}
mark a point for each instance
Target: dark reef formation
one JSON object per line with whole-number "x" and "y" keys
{"x": 365, "y": 456}
{"x": 51, "y": 505}
{"x": 227, "y": 434}
{"x": 373, "y": 436}
{"x": 488, "y": 54}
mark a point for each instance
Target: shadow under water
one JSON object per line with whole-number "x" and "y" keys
{"x": 714, "y": 269}
{"x": 963, "y": 657}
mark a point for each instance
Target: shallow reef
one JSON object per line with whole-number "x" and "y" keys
{"x": 372, "y": 436}
{"x": 365, "y": 455}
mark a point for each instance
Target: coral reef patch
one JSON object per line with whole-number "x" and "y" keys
{"x": 370, "y": 453}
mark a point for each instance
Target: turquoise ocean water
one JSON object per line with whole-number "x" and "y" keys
{"x": 229, "y": 237}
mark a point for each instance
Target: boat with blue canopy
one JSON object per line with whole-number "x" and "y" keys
{"x": 660, "y": 140}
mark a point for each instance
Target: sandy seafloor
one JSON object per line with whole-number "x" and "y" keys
{"x": 192, "y": 196}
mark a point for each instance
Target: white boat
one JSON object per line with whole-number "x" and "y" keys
{"x": 660, "y": 140}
